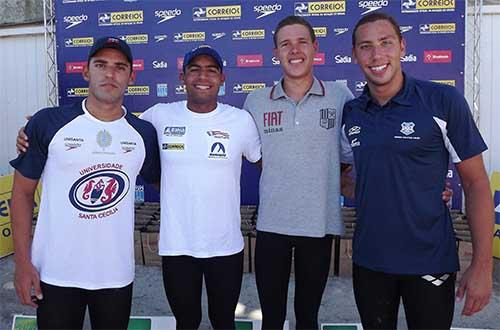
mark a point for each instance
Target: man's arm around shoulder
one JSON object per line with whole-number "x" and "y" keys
{"x": 26, "y": 276}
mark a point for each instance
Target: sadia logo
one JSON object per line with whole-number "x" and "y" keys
{"x": 414, "y": 6}
{"x": 342, "y": 59}
{"x": 217, "y": 13}
{"x": 320, "y": 8}
{"x": 160, "y": 64}
{"x": 409, "y": 58}
{"x": 166, "y": 15}
{"x": 266, "y": 10}
{"x": 372, "y": 5}
{"x": 437, "y": 28}
{"x": 73, "y": 21}
{"x": 100, "y": 190}
{"x": 79, "y": 42}
{"x": 121, "y": 18}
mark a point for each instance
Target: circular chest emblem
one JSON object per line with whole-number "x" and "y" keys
{"x": 99, "y": 190}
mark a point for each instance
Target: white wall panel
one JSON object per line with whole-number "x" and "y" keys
{"x": 22, "y": 84}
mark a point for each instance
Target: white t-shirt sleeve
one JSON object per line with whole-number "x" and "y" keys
{"x": 346, "y": 156}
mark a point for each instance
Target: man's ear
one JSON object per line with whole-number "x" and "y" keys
{"x": 132, "y": 77}
{"x": 85, "y": 72}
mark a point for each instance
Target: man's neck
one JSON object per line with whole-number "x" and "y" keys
{"x": 296, "y": 89}
{"x": 201, "y": 107}
{"x": 104, "y": 111}
{"x": 384, "y": 93}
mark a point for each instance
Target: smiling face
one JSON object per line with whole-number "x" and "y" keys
{"x": 378, "y": 49}
{"x": 202, "y": 78}
{"x": 295, "y": 50}
{"x": 108, "y": 74}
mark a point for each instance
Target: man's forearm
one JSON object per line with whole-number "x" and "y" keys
{"x": 21, "y": 217}
{"x": 479, "y": 208}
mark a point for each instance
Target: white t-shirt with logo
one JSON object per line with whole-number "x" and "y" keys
{"x": 84, "y": 235}
{"x": 201, "y": 155}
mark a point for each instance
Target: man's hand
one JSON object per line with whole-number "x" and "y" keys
{"x": 447, "y": 194}
{"x": 21, "y": 141}
{"x": 476, "y": 285}
{"x": 347, "y": 183}
{"x": 26, "y": 277}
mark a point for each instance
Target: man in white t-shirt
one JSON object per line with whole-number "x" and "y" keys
{"x": 202, "y": 143}
{"x": 87, "y": 156}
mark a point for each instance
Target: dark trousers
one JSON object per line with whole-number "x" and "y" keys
{"x": 273, "y": 260}
{"x": 64, "y": 307}
{"x": 428, "y": 300}
{"x": 182, "y": 279}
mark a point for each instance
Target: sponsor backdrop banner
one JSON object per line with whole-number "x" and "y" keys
{"x": 160, "y": 32}
{"x": 6, "y": 244}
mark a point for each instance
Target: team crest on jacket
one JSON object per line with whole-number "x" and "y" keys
{"x": 407, "y": 128}
{"x": 100, "y": 190}
{"x": 327, "y": 117}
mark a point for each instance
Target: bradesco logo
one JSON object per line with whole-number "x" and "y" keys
{"x": 247, "y": 87}
{"x": 414, "y": 6}
{"x": 437, "y": 56}
{"x": 138, "y": 65}
{"x": 266, "y": 10}
{"x": 75, "y": 67}
{"x": 320, "y": 31}
{"x": 372, "y": 5}
{"x": 167, "y": 14}
{"x": 249, "y": 60}
{"x": 121, "y": 18}
{"x": 189, "y": 36}
{"x": 99, "y": 190}
{"x": 320, "y": 8}
{"x": 217, "y": 13}
{"x": 249, "y": 34}
{"x": 319, "y": 59}
{"x": 79, "y": 42}
{"x": 437, "y": 28}
{"x": 73, "y": 21}
{"x": 77, "y": 92}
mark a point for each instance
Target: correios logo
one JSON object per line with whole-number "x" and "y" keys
{"x": 266, "y": 10}
{"x": 73, "y": 21}
{"x": 99, "y": 190}
{"x": 372, "y": 5}
{"x": 166, "y": 15}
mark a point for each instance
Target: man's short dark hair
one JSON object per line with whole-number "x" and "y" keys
{"x": 291, "y": 20}
{"x": 373, "y": 17}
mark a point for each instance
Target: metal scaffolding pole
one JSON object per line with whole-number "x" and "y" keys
{"x": 49, "y": 18}
{"x": 474, "y": 19}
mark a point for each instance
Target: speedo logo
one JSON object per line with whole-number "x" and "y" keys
{"x": 217, "y": 13}
{"x": 372, "y": 5}
{"x": 437, "y": 28}
{"x": 340, "y": 30}
{"x": 320, "y": 8}
{"x": 166, "y": 15}
{"x": 73, "y": 21}
{"x": 405, "y": 28}
{"x": 218, "y": 35}
{"x": 249, "y": 34}
{"x": 266, "y": 10}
